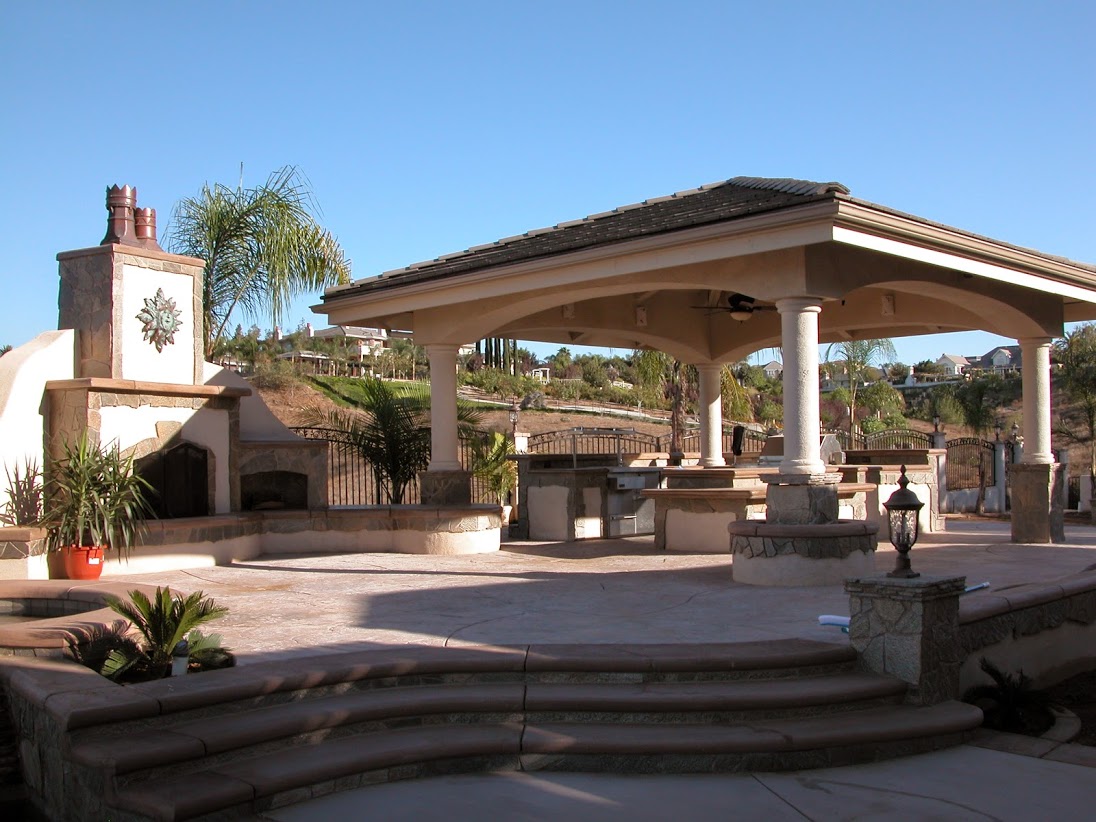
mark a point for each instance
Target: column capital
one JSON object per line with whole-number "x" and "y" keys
{"x": 1034, "y": 342}
{"x": 799, "y": 305}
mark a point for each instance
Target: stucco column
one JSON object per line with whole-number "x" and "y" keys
{"x": 799, "y": 339}
{"x": 444, "y": 454}
{"x": 711, "y": 415}
{"x": 1035, "y": 371}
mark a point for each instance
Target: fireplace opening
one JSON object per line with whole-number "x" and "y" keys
{"x": 273, "y": 490}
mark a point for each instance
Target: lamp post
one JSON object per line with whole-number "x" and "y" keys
{"x": 903, "y": 509}
{"x": 514, "y": 420}
{"x": 997, "y": 428}
{"x": 936, "y": 423}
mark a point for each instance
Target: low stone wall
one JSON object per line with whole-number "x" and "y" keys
{"x": 23, "y": 553}
{"x": 175, "y": 544}
{"x": 789, "y": 555}
{"x": 928, "y": 634}
{"x": 1048, "y": 629}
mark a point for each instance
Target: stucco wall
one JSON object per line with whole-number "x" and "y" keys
{"x": 140, "y": 359}
{"x": 24, "y": 372}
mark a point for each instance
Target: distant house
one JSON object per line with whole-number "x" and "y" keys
{"x": 543, "y": 374}
{"x": 773, "y": 369}
{"x": 1000, "y": 360}
{"x": 952, "y": 364}
{"x": 369, "y": 341}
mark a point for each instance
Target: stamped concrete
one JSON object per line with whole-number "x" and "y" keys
{"x": 604, "y": 591}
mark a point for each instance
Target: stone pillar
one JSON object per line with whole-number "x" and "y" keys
{"x": 799, "y": 340}
{"x": 711, "y": 415}
{"x": 1037, "y": 481}
{"x": 1037, "y": 493}
{"x": 444, "y": 482}
{"x": 909, "y": 629}
{"x": 802, "y": 493}
{"x": 444, "y": 454}
{"x": 1035, "y": 371}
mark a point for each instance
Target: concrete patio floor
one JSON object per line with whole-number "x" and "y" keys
{"x": 603, "y": 591}
{"x": 626, "y": 591}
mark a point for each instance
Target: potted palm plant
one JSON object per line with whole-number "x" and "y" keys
{"x": 94, "y": 501}
{"x": 491, "y": 464}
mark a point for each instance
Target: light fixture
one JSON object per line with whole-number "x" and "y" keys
{"x": 936, "y": 423}
{"x": 903, "y": 509}
{"x": 514, "y": 420}
{"x": 741, "y": 314}
{"x": 997, "y": 428}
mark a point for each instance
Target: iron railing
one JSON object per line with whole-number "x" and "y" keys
{"x": 351, "y": 479}
{"x": 970, "y": 463}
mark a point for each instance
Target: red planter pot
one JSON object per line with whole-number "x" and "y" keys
{"x": 82, "y": 563}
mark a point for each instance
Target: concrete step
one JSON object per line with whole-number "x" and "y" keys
{"x": 189, "y": 744}
{"x": 244, "y": 787}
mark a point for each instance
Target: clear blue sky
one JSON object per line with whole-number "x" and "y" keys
{"x": 426, "y": 128}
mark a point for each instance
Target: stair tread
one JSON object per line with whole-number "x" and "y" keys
{"x": 331, "y": 759}
{"x": 159, "y": 746}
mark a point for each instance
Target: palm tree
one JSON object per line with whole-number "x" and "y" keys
{"x": 4, "y": 349}
{"x": 1076, "y": 354}
{"x": 262, "y": 247}
{"x": 858, "y": 355}
{"x": 391, "y": 430}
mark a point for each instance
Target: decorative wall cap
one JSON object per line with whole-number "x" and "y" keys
{"x": 132, "y": 251}
{"x": 108, "y": 385}
{"x": 921, "y": 588}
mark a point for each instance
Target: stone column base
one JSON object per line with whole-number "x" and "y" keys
{"x": 909, "y": 629}
{"x": 445, "y": 488}
{"x": 1037, "y": 503}
{"x": 793, "y": 555}
{"x": 809, "y": 499}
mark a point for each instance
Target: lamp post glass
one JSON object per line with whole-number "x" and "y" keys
{"x": 903, "y": 510}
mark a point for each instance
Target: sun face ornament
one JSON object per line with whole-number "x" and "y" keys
{"x": 159, "y": 320}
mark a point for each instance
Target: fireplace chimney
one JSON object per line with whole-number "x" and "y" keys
{"x": 121, "y": 201}
{"x": 145, "y": 219}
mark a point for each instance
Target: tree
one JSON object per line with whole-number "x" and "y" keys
{"x": 4, "y": 349}
{"x": 1076, "y": 356}
{"x": 857, "y": 356}
{"x": 262, "y": 247}
{"x": 882, "y": 399}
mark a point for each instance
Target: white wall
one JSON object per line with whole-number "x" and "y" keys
{"x": 140, "y": 359}
{"x": 24, "y": 372}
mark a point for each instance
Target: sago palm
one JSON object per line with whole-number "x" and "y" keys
{"x": 161, "y": 622}
{"x": 262, "y": 247}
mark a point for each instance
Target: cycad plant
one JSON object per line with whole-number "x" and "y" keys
{"x": 391, "y": 429}
{"x": 1010, "y": 703}
{"x": 161, "y": 623}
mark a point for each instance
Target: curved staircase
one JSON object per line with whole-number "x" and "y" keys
{"x": 233, "y": 743}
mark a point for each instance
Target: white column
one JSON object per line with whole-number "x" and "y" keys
{"x": 1035, "y": 371}
{"x": 799, "y": 339}
{"x": 711, "y": 415}
{"x": 444, "y": 455}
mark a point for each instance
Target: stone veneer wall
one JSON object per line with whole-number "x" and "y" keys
{"x": 1046, "y": 628}
{"x": 91, "y": 301}
{"x": 308, "y": 457}
{"x": 78, "y": 406}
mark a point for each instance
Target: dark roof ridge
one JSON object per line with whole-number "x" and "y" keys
{"x": 780, "y": 185}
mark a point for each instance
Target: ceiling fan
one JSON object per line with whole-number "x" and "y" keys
{"x": 740, "y": 306}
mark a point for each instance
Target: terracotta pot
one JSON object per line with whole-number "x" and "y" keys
{"x": 81, "y": 562}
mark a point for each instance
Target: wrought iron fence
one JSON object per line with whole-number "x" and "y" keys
{"x": 970, "y": 463}
{"x": 898, "y": 438}
{"x": 593, "y": 441}
{"x": 351, "y": 479}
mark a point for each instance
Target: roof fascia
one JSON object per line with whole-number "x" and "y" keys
{"x": 770, "y": 231}
{"x": 860, "y": 225}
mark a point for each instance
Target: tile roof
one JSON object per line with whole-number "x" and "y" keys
{"x": 713, "y": 203}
